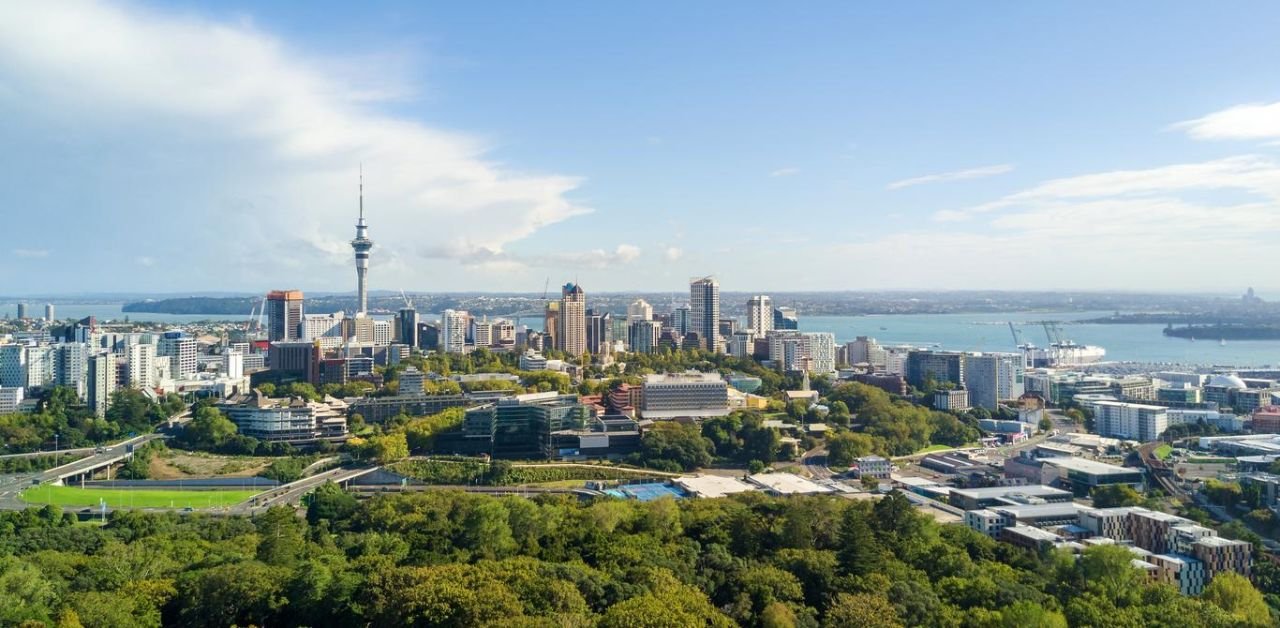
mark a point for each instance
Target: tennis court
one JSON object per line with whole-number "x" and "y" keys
{"x": 646, "y": 492}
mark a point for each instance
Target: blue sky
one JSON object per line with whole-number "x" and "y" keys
{"x": 1002, "y": 145}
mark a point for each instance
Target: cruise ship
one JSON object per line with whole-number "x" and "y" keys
{"x": 1065, "y": 353}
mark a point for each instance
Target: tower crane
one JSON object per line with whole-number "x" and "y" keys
{"x": 1017, "y": 339}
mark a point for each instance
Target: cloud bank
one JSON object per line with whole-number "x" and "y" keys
{"x": 275, "y": 134}
{"x": 955, "y": 175}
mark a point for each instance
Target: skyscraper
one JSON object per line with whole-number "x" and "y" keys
{"x": 453, "y": 331}
{"x": 572, "y": 338}
{"x": 100, "y": 380}
{"x": 551, "y": 326}
{"x": 639, "y": 310}
{"x": 181, "y": 350}
{"x": 599, "y": 332}
{"x": 22, "y": 311}
{"x": 362, "y": 245}
{"x": 704, "y": 311}
{"x": 760, "y": 316}
{"x": 48, "y": 312}
{"x": 407, "y": 323}
{"x": 284, "y": 315}
{"x": 785, "y": 318}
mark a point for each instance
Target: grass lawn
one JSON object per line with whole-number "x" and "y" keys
{"x": 933, "y": 448}
{"x": 133, "y": 498}
{"x": 1162, "y": 452}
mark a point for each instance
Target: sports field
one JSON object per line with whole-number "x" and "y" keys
{"x": 134, "y": 498}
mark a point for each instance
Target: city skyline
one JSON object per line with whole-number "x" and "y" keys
{"x": 877, "y": 152}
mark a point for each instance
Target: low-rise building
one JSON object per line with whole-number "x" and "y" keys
{"x": 295, "y": 420}
{"x": 954, "y": 400}
{"x": 873, "y": 467}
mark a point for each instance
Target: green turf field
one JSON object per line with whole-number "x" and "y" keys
{"x": 1162, "y": 452}
{"x": 134, "y": 498}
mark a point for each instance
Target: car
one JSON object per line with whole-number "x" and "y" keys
{"x": 100, "y": 450}
{"x": 188, "y": 509}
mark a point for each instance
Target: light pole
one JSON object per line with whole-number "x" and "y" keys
{"x": 55, "y": 448}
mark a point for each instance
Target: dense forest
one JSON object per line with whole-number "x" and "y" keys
{"x": 453, "y": 559}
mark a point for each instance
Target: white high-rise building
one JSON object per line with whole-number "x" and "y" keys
{"x": 318, "y": 326}
{"x": 42, "y": 366}
{"x": 383, "y": 332}
{"x": 639, "y": 310}
{"x": 100, "y": 380}
{"x": 482, "y": 333}
{"x": 760, "y": 316}
{"x": 49, "y": 313}
{"x": 232, "y": 364}
{"x": 704, "y": 311}
{"x": 181, "y": 350}
{"x": 993, "y": 377}
{"x": 453, "y": 331}
{"x": 141, "y": 360}
{"x": 814, "y": 352}
{"x": 73, "y": 367}
{"x": 1131, "y": 421}
{"x": 572, "y": 336}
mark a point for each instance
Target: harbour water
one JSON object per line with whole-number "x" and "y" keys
{"x": 967, "y": 332}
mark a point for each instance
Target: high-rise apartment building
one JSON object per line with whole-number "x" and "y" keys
{"x": 572, "y": 337}
{"x": 680, "y": 320}
{"x": 760, "y": 316}
{"x": 453, "y": 331}
{"x": 13, "y": 365}
{"x": 141, "y": 359}
{"x": 551, "y": 326}
{"x": 233, "y": 363}
{"x": 704, "y": 311}
{"x": 1132, "y": 421}
{"x": 642, "y": 336}
{"x": 100, "y": 380}
{"x": 813, "y": 352}
{"x": 72, "y": 366}
{"x": 639, "y": 310}
{"x": 599, "y": 332}
{"x": 284, "y": 315}
{"x": 42, "y": 365}
{"x": 937, "y": 367}
{"x": 181, "y": 350}
{"x": 49, "y": 312}
{"x": 22, "y": 311}
{"x": 993, "y": 377}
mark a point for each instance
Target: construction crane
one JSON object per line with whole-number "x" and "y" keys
{"x": 1052, "y": 331}
{"x": 1017, "y": 339}
{"x": 262, "y": 311}
{"x": 407, "y": 301}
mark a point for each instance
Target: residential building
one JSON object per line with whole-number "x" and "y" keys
{"x": 412, "y": 382}
{"x": 951, "y": 400}
{"x": 48, "y": 313}
{"x": 813, "y": 352}
{"x": 72, "y": 366}
{"x": 284, "y": 315}
{"x": 1266, "y": 420}
{"x": 689, "y": 394}
{"x": 141, "y": 360}
{"x": 993, "y": 377}
{"x": 532, "y": 361}
{"x": 760, "y": 316}
{"x": 232, "y": 364}
{"x": 22, "y": 311}
{"x": 599, "y": 332}
{"x": 181, "y": 350}
{"x": 383, "y": 333}
{"x": 572, "y": 336}
{"x": 1130, "y": 421}
{"x": 642, "y": 336}
{"x": 681, "y": 318}
{"x": 453, "y": 331}
{"x": 865, "y": 350}
{"x": 551, "y": 326}
{"x": 327, "y": 329}
{"x": 925, "y": 367}
{"x": 704, "y": 311}
{"x": 100, "y": 379}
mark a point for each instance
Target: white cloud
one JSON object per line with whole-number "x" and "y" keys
{"x": 285, "y": 133}
{"x": 143, "y": 260}
{"x": 481, "y": 257}
{"x": 1256, "y": 121}
{"x": 955, "y": 175}
{"x": 785, "y": 172}
{"x": 31, "y": 253}
{"x": 672, "y": 253}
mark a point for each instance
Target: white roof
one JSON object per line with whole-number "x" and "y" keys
{"x": 712, "y": 485}
{"x": 1088, "y": 466}
{"x": 787, "y": 483}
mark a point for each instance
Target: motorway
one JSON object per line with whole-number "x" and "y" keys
{"x": 292, "y": 492}
{"x": 12, "y": 485}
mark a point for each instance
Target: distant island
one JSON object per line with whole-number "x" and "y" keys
{"x": 1225, "y": 332}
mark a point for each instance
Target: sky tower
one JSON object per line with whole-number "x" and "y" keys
{"x": 361, "y": 245}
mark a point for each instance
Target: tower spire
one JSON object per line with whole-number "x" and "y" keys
{"x": 361, "y": 246}
{"x": 362, "y": 190}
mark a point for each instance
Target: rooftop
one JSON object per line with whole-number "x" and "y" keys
{"x": 1033, "y": 533}
{"x": 1217, "y": 541}
{"x": 712, "y": 485}
{"x": 1036, "y": 511}
{"x": 787, "y": 484}
{"x": 688, "y": 377}
{"x": 1033, "y": 490}
{"x": 1088, "y": 466}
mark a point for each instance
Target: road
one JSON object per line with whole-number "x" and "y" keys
{"x": 12, "y": 485}
{"x": 815, "y": 462}
{"x": 292, "y": 492}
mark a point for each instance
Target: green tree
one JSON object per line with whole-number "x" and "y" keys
{"x": 280, "y": 532}
{"x": 844, "y": 447}
{"x": 238, "y": 593}
{"x": 330, "y": 502}
{"x": 1116, "y": 495}
{"x": 1234, "y": 594}
{"x": 864, "y": 610}
{"x": 210, "y": 429}
{"x": 389, "y": 448}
